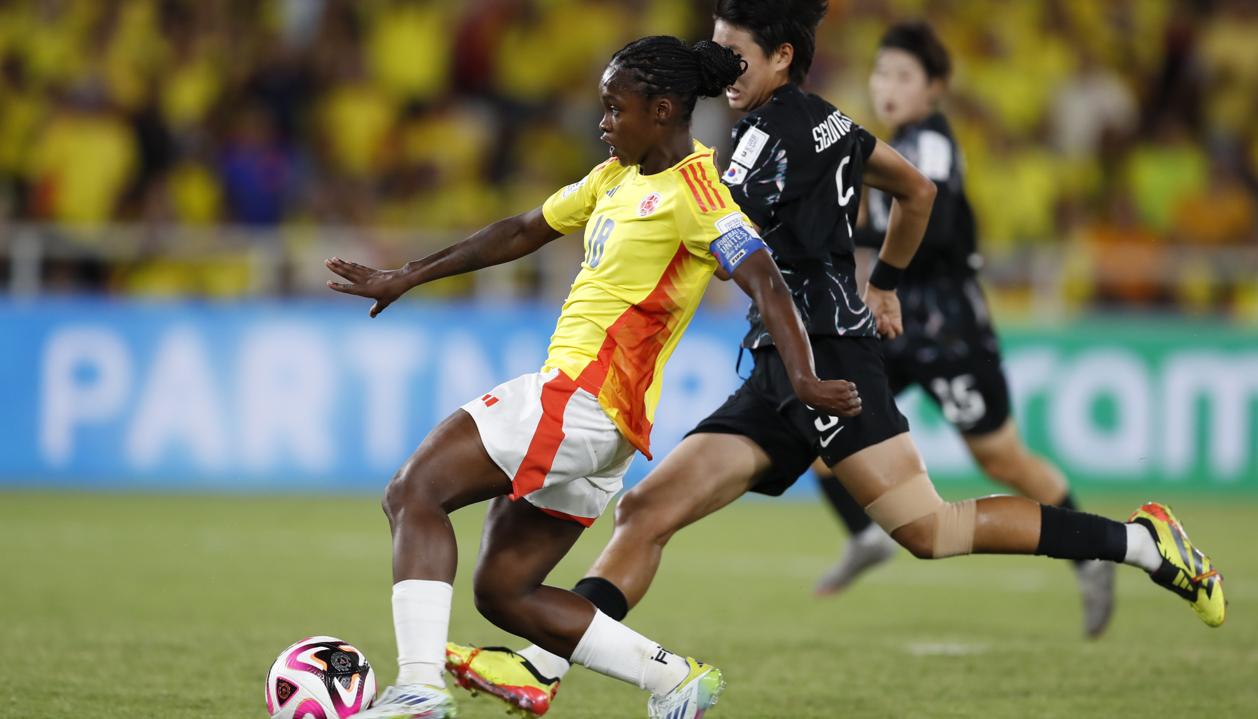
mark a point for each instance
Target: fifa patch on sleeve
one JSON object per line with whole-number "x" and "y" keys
{"x": 567, "y": 191}
{"x": 749, "y": 147}
{"x": 736, "y": 245}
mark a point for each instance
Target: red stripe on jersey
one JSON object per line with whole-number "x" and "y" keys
{"x": 707, "y": 194}
{"x": 695, "y": 169}
{"x": 549, "y": 434}
{"x": 704, "y": 172}
{"x": 694, "y": 190}
{"x": 625, "y": 367}
{"x": 583, "y": 521}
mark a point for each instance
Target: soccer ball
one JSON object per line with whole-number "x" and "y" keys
{"x": 319, "y": 678}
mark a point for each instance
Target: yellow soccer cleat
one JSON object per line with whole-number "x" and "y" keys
{"x": 1185, "y": 570}
{"x": 503, "y": 674}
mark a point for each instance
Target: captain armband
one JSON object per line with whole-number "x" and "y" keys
{"x": 736, "y": 245}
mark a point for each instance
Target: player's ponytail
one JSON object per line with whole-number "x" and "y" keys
{"x": 664, "y": 65}
{"x": 719, "y": 67}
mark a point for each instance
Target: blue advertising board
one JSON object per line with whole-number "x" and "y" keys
{"x": 283, "y": 396}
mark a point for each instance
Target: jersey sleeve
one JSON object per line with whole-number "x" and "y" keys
{"x": 710, "y": 222}
{"x": 756, "y": 176}
{"x": 865, "y": 140}
{"x": 570, "y": 208}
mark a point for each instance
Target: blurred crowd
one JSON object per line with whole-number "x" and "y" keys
{"x": 1121, "y": 132}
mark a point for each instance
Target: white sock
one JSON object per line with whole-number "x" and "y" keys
{"x": 609, "y": 647}
{"x": 1141, "y": 550}
{"x": 550, "y": 665}
{"x": 421, "y": 621}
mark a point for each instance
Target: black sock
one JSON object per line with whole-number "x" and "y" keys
{"x": 1068, "y": 502}
{"x": 1065, "y": 534}
{"x": 852, "y": 514}
{"x": 606, "y": 596}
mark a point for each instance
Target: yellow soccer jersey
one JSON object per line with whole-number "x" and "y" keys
{"x": 649, "y": 253}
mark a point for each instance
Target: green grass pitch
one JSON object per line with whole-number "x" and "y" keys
{"x": 174, "y": 607}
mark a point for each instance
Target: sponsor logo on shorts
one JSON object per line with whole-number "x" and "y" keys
{"x": 825, "y": 422}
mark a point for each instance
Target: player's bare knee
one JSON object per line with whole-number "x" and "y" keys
{"x": 413, "y": 488}
{"x": 394, "y": 499}
{"x": 636, "y": 516}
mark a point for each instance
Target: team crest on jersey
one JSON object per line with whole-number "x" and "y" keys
{"x": 649, "y": 204}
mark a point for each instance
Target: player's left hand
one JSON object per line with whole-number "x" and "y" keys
{"x": 886, "y": 308}
{"x": 383, "y": 286}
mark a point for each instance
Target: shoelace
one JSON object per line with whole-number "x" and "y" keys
{"x": 1206, "y": 575}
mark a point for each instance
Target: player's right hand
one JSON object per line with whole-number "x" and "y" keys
{"x": 885, "y": 306}
{"x": 383, "y": 286}
{"x": 837, "y": 397}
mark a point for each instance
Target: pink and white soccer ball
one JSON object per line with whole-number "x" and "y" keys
{"x": 319, "y": 678}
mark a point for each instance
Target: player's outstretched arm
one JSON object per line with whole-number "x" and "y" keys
{"x": 760, "y": 278}
{"x": 495, "y": 244}
{"x": 912, "y": 195}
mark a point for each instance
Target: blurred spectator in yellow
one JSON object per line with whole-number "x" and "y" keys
{"x": 21, "y": 113}
{"x": 408, "y": 47}
{"x": 83, "y": 160}
{"x": 1164, "y": 169}
{"x": 1015, "y": 188}
{"x": 355, "y": 117}
{"x": 1229, "y": 56}
{"x": 1219, "y": 213}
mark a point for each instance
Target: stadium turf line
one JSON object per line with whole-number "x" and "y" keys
{"x": 131, "y": 606}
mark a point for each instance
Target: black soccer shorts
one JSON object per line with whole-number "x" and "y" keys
{"x": 950, "y": 350}
{"x": 766, "y": 411}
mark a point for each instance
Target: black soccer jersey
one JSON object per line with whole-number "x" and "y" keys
{"x": 949, "y": 249}
{"x": 796, "y": 171}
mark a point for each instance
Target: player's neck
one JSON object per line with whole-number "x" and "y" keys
{"x": 667, "y": 154}
{"x": 769, "y": 92}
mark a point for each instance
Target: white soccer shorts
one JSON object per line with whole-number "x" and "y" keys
{"x": 560, "y": 449}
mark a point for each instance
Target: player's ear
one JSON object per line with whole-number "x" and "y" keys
{"x": 664, "y": 108}
{"x": 782, "y": 58}
{"x": 935, "y": 89}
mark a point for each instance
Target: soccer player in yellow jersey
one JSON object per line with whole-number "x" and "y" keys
{"x": 658, "y": 224}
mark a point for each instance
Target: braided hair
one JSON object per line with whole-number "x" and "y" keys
{"x": 664, "y": 65}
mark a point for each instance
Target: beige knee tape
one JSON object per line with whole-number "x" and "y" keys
{"x": 905, "y": 503}
{"x": 954, "y": 528}
{"x": 916, "y": 499}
